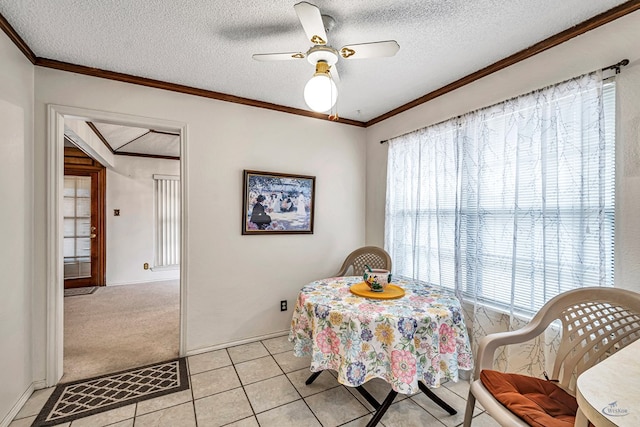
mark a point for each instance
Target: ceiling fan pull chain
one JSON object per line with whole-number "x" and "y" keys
{"x": 333, "y": 113}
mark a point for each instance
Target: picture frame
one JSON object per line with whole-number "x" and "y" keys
{"x": 277, "y": 203}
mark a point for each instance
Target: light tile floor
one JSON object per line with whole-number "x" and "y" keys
{"x": 262, "y": 384}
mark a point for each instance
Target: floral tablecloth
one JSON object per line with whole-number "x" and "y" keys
{"x": 421, "y": 336}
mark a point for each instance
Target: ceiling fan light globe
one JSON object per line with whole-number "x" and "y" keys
{"x": 320, "y": 93}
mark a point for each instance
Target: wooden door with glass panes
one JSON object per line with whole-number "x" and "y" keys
{"x": 83, "y": 244}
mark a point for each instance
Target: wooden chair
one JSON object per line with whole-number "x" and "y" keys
{"x": 372, "y": 256}
{"x": 596, "y": 322}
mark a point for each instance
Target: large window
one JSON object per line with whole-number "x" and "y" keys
{"x": 512, "y": 204}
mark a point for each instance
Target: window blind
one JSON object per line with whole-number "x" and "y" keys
{"x": 167, "y": 248}
{"x": 511, "y": 204}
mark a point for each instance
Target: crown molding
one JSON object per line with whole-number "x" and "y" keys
{"x": 100, "y": 137}
{"x": 586, "y": 26}
{"x": 151, "y": 156}
{"x": 158, "y": 84}
{"x": 17, "y": 40}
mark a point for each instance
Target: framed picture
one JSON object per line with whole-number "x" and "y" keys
{"x": 277, "y": 203}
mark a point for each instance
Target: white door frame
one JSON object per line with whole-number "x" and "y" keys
{"x": 55, "y": 180}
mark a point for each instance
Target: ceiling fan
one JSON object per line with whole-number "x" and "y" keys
{"x": 320, "y": 93}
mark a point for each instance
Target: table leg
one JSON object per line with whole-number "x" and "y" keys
{"x": 312, "y": 378}
{"x": 372, "y": 400}
{"x": 441, "y": 403}
{"x": 382, "y": 408}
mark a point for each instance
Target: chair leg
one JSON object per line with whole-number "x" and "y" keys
{"x": 468, "y": 413}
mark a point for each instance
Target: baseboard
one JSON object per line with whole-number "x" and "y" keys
{"x": 167, "y": 268}
{"x": 39, "y": 385}
{"x": 235, "y": 343}
{"x": 19, "y": 404}
{"x": 143, "y": 282}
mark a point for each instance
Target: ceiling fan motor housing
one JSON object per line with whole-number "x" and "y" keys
{"x": 328, "y": 22}
{"x": 322, "y": 53}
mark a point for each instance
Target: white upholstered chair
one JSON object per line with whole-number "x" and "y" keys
{"x": 596, "y": 322}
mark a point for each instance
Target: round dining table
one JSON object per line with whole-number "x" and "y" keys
{"x": 413, "y": 342}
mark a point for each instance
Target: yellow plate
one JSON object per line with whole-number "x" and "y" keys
{"x": 391, "y": 291}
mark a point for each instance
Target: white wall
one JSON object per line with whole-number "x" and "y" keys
{"x": 627, "y": 250}
{"x": 596, "y": 49}
{"x": 16, "y": 226}
{"x": 130, "y": 236}
{"x": 235, "y": 282}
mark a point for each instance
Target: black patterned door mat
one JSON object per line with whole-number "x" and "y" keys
{"x": 82, "y": 398}
{"x": 72, "y": 292}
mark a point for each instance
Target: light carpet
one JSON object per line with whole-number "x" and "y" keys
{"x": 120, "y": 327}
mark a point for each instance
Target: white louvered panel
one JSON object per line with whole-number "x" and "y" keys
{"x": 167, "y": 221}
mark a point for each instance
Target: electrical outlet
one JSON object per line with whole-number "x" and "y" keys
{"x": 283, "y": 305}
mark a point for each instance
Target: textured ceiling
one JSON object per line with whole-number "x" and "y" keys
{"x": 118, "y": 136}
{"x": 128, "y": 140}
{"x": 134, "y": 140}
{"x": 208, "y": 45}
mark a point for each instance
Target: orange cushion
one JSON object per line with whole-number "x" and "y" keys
{"x": 538, "y": 402}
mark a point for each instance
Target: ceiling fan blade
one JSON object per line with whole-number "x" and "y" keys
{"x": 311, "y": 20}
{"x": 370, "y": 50}
{"x": 278, "y": 56}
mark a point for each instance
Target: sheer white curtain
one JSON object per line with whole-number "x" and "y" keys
{"x": 509, "y": 206}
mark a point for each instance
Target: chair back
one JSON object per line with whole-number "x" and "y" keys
{"x": 372, "y": 256}
{"x": 596, "y": 322}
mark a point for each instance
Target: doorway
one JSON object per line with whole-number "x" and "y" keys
{"x": 56, "y": 220}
